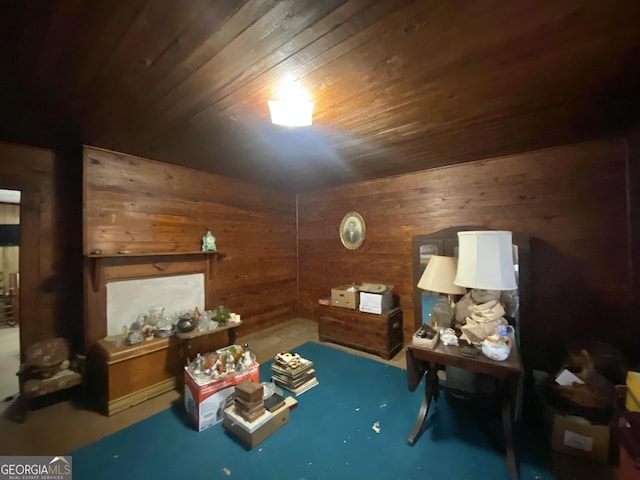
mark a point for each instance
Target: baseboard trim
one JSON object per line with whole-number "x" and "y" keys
{"x": 122, "y": 403}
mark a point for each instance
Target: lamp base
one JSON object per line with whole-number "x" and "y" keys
{"x": 442, "y": 313}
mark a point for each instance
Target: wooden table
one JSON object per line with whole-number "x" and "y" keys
{"x": 203, "y": 341}
{"x": 425, "y": 361}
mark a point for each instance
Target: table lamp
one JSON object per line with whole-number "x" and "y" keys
{"x": 438, "y": 277}
{"x": 485, "y": 260}
{"x": 485, "y": 264}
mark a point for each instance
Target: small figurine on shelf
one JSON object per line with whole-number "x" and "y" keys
{"x": 209, "y": 242}
{"x": 246, "y": 356}
{"x": 196, "y": 317}
{"x": 134, "y": 333}
{"x": 197, "y": 364}
{"x": 230, "y": 365}
{"x": 147, "y": 332}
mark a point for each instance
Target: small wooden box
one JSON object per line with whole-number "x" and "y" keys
{"x": 249, "y": 391}
{"x": 379, "y": 334}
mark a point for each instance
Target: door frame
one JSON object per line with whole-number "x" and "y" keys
{"x": 29, "y": 256}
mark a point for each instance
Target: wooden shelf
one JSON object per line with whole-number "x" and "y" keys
{"x": 97, "y": 261}
{"x": 154, "y": 254}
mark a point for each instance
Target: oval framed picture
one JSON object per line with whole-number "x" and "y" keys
{"x": 352, "y": 230}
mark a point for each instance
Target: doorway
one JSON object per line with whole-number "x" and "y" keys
{"x": 9, "y": 292}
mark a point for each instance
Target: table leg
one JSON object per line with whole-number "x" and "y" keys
{"x": 430, "y": 388}
{"x": 415, "y": 371}
{"x": 508, "y": 433}
{"x": 185, "y": 347}
{"x": 233, "y": 334}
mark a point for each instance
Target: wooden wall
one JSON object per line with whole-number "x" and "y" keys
{"x": 572, "y": 200}
{"x": 50, "y": 260}
{"x": 144, "y": 206}
{"x": 634, "y": 218}
{"x": 9, "y": 256}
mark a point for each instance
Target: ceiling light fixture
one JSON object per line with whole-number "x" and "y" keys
{"x": 292, "y": 108}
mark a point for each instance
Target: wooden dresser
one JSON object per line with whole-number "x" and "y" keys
{"x": 379, "y": 334}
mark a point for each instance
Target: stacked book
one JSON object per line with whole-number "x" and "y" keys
{"x": 294, "y": 373}
{"x": 248, "y": 401}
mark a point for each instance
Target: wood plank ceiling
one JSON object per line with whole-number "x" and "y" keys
{"x": 399, "y": 86}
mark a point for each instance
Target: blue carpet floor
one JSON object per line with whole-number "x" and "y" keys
{"x": 329, "y": 436}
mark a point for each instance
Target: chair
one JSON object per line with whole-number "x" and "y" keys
{"x": 48, "y": 368}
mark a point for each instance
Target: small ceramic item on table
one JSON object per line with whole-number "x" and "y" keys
{"x": 198, "y": 364}
{"x": 247, "y": 358}
{"x": 497, "y": 347}
{"x": 163, "y": 328}
{"x": 155, "y": 315}
{"x": 222, "y": 315}
{"x": 134, "y": 337}
{"x": 448, "y": 336}
{"x": 147, "y": 332}
{"x": 186, "y": 324}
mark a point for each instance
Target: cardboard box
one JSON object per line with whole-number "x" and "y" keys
{"x": 252, "y": 437}
{"x": 205, "y": 401}
{"x": 376, "y": 302}
{"x": 232, "y": 414}
{"x": 425, "y": 342}
{"x": 343, "y": 297}
{"x": 578, "y": 437}
{"x": 628, "y": 435}
{"x": 632, "y": 402}
{"x": 628, "y": 469}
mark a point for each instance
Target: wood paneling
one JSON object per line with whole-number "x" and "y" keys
{"x": 146, "y": 207}
{"x": 51, "y": 297}
{"x": 399, "y": 85}
{"x": 633, "y": 162}
{"x": 571, "y": 200}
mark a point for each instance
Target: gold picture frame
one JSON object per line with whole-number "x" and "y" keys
{"x": 352, "y": 230}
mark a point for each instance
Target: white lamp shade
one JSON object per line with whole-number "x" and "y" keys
{"x": 485, "y": 260}
{"x": 291, "y": 113}
{"x": 438, "y": 276}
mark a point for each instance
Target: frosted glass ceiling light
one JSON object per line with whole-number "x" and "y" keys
{"x": 292, "y": 109}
